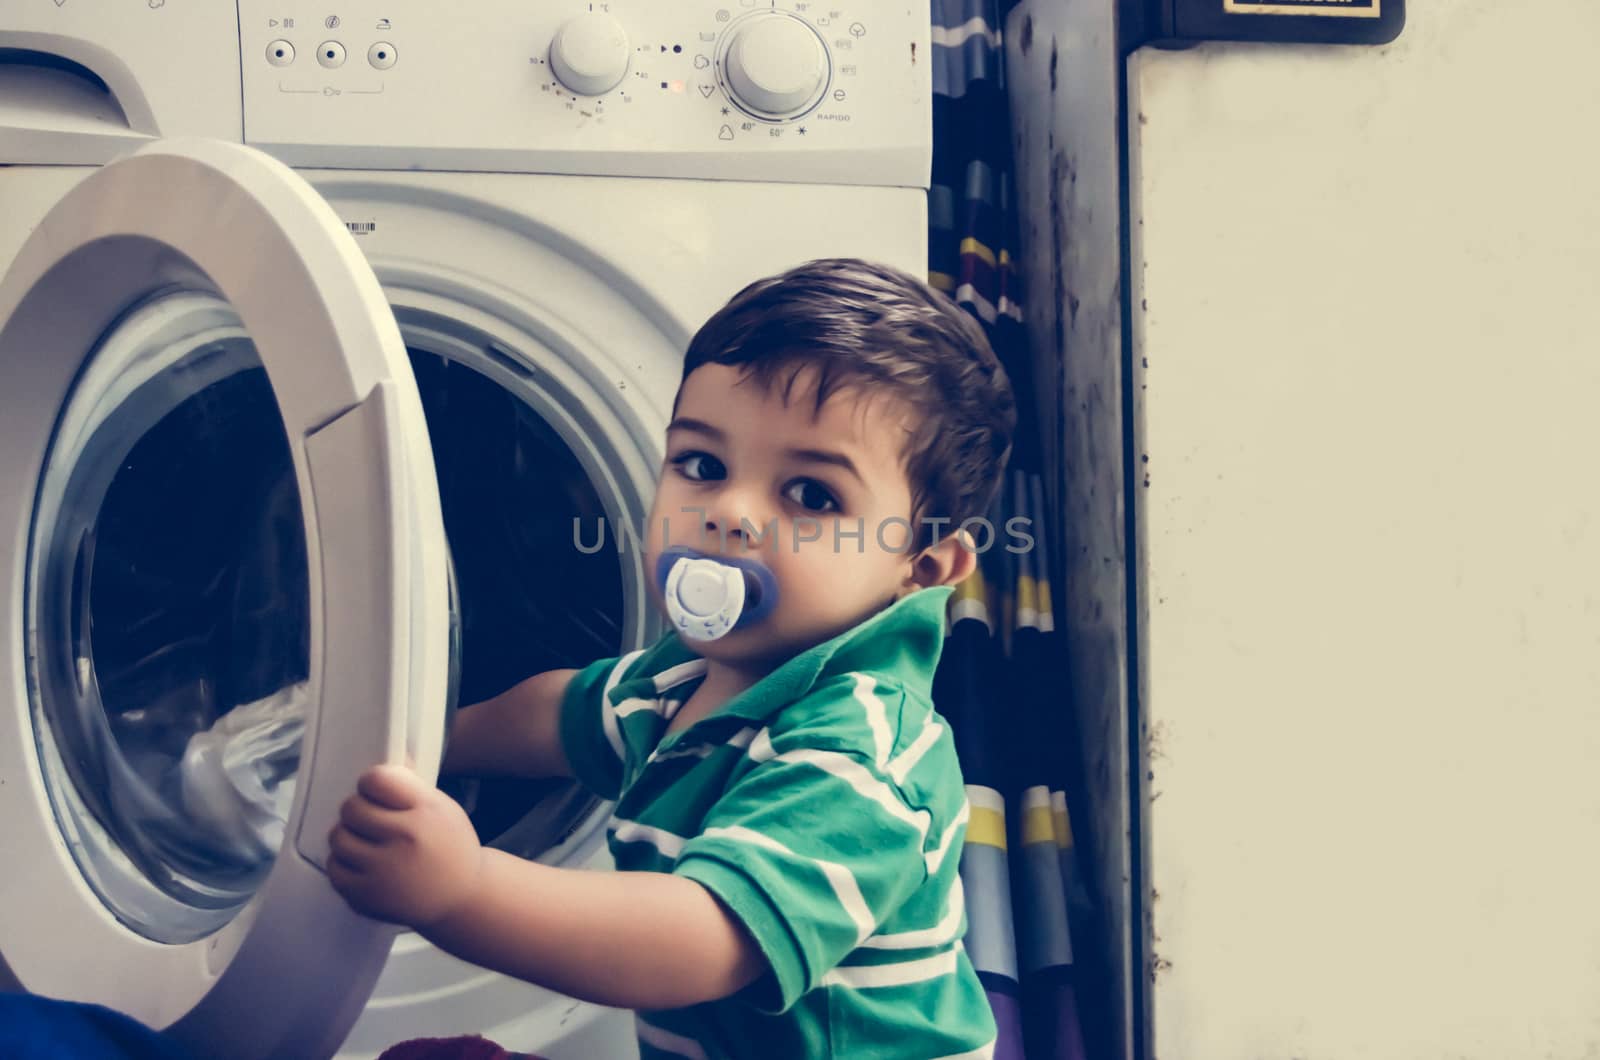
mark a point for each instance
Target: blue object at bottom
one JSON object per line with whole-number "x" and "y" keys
{"x": 41, "y": 1028}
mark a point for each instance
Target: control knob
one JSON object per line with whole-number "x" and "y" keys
{"x": 776, "y": 64}
{"x": 590, "y": 53}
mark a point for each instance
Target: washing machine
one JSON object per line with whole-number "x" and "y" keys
{"x": 329, "y": 338}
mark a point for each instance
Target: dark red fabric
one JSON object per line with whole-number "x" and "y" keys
{"x": 465, "y": 1047}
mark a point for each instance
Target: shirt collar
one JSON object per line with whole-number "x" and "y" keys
{"x": 904, "y": 639}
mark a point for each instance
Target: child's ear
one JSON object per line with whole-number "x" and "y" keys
{"x": 949, "y": 562}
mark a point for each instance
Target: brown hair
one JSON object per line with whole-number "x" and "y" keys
{"x": 862, "y": 325}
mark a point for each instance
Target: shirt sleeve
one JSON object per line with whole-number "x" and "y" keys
{"x": 812, "y": 850}
{"x": 589, "y": 736}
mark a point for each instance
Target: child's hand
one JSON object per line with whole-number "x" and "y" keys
{"x": 403, "y": 851}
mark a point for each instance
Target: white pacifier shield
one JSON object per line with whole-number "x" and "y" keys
{"x": 704, "y": 598}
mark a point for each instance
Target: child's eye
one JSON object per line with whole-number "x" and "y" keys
{"x": 699, "y": 467}
{"x": 811, "y": 495}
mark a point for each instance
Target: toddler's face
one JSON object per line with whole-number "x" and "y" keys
{"x": 747, "y": 473}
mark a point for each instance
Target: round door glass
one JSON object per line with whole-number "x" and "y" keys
{"x": 168, "y": 618}
{"x": 168, "y": 601}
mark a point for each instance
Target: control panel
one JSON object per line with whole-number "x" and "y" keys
{"x": 825, "y": 91}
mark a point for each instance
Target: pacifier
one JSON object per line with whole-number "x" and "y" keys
{"x": 708, "y": 597}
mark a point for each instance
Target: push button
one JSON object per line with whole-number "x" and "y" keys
{"x": 330, "y": 53}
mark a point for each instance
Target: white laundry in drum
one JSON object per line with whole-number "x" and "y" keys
{"x": 236, "y": 778}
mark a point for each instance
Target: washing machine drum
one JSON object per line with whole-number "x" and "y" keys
{"x": 512, "y": 491}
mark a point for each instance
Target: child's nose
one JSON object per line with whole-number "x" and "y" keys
{"x": 736, "y": 517}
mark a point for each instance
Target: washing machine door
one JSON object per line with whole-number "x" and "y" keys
{"x": 224, "y": 586}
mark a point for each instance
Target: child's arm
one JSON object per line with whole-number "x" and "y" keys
{"x": 632, "y": 940}
{"x": 517, "y": 733}
{"x": 405, "y": 852}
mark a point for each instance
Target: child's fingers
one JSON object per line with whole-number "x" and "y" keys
{"x": 351, "y": 850}
{"x": 339, "y": 875}
{"x": 394, "y": 787}
{"x": 369, "y": 820}
{"x": 346, "y": 879}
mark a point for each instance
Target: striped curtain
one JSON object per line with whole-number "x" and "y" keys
{"x": 999, "y": 681}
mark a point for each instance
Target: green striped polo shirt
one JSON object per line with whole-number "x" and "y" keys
{"x": 825, "y": 807}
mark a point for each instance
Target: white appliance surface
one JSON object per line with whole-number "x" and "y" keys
{"x": 1365, "y": 381}
{"x": 514, "y": 231}
{"x": 84, "y": 82}
{"x": 483, "y": 91}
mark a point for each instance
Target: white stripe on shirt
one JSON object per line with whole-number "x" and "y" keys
{"x": 668, "y": 843}
{"x": 935, "y": 858}
{"x": 841, "y": 879}
{"x": 852, "y": 772}
{"x": 666, "y": 1041}
{"x": 983, "y": 1052}
{"x": 761, "y": 749}
{"x": 907, "y": 760}
{"x": 608, "y": 717}
{"x": 664, "y": 682}
{"x": 673, "y": 676}
{"x": 877, "y": 718}
{"x": 870, "y": 975}
{"x": 634, "y": 705}
{"x": 942, "y": 933}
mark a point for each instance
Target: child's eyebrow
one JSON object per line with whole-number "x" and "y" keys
{"x": 686, "y": 423}
{"x": 827, "y": 456}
